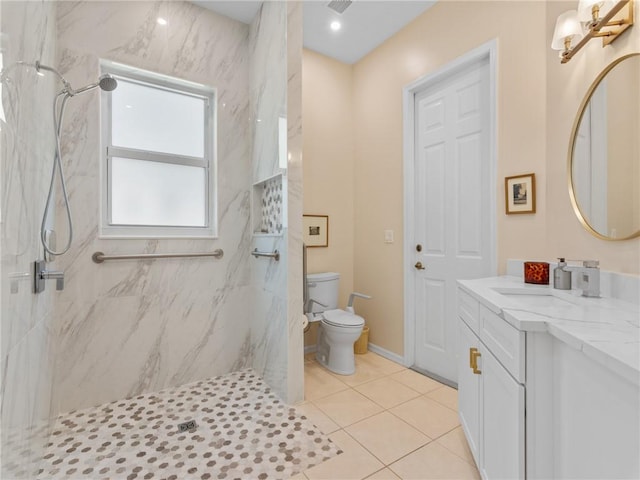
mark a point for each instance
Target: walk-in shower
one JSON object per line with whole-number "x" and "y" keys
{"x": 106, "y": 83}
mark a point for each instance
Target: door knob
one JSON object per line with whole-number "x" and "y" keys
{"x": 419, "y": 266}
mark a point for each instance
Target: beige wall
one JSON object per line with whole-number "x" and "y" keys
{"x": 537, "y": 102}
{"x": 328, "y": 153}
{"x": 566, "y": 86}
{"x": 440, "y": 35}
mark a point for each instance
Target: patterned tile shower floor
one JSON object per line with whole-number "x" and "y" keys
{"x": 243, "y": 431}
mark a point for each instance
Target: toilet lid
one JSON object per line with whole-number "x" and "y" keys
{"x": 340, "y": 318}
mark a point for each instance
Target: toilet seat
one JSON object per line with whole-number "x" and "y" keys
{"x": 340, "y": 318}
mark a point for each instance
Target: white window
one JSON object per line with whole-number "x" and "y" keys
{"x": 159, "y": 174}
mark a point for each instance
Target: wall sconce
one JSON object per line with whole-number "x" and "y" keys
{"x": 593, "y": 19}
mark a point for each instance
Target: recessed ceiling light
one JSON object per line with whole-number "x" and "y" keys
{"x": 162, "y": 21}
{"x": 335, "y": 25}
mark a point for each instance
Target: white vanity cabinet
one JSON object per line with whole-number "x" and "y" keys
{"x": 469, "y": 391}
{"x": 503, "y": 422}
{"x": 548, "y": 382}
{"x": 491, "y": 399}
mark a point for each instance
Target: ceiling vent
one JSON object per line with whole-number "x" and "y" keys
{"x": 339, "y": 5}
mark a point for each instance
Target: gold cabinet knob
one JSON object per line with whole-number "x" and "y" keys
{"x": 419, "y": 266}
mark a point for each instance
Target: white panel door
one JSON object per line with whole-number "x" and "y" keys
{"x": 452, "y": 210}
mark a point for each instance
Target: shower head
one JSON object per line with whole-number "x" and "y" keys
{"x": 106, "y": 82}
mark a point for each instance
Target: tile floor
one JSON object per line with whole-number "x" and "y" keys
{"x": 243, "y": 431}
{"x": 390, "y": 422}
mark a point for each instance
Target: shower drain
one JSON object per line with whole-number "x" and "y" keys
{"x": 185, "y": 426}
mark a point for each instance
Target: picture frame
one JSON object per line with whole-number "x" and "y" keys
{"x": 520, "y": 194}
{"x": 315, "y": 230}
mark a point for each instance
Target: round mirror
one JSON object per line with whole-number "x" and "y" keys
{"x": 604, "y": 155}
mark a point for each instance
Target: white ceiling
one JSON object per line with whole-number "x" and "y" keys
{"x": 365, "y": 23}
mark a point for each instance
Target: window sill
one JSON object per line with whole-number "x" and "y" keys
{"x": 183, "y": 234}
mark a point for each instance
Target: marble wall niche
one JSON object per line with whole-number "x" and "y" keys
{"x": 26, "y": 155}
{"x": 268, "y": 102}
{"x": 137, "y": 326}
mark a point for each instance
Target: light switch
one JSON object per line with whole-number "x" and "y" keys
{"x": 388, "y": 236}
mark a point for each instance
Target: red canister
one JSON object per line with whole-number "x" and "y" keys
{"x": 536, "y": 272}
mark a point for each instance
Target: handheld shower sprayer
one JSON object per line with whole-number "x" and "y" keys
{"x": 106, "y": 83}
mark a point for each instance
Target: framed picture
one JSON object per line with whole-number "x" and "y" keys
{"x": 520, "y": 194}
{"x": 315, "y": 230}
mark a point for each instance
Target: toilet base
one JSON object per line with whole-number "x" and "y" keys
{"x": 339, "y": 359}
{"x": 340, "y": 371}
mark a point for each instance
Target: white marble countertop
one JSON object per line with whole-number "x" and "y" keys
{"x": 605, "y": 329}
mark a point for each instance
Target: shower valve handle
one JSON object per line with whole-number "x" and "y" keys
{"x": 55, "y": 275}
{"x": 41, "y": 275}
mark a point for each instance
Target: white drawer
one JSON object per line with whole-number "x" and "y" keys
{"x": 469, "y": 310}
{"x": 505, "y": 342}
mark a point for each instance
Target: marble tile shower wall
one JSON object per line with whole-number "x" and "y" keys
{"x": 295, "y": 277}
{"x": 139, "y": 326}
{"x": 268, "y": 100}
{"x": 27, "y": 142}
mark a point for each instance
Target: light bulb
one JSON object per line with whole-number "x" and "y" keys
{"x": 567, "y": 26}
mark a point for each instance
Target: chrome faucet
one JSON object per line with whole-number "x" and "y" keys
{"x": 588, "y": 277}
{"x": 40, "y": 275}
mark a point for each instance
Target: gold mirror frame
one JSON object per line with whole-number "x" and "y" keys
{"x": 574, "y": 133}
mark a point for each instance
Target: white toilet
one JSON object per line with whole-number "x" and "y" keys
{"x": 338, "y": 329}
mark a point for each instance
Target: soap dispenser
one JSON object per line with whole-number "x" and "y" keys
{"x": 561, "y": 277}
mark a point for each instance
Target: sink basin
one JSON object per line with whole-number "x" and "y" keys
{"x": 533, "y": 297}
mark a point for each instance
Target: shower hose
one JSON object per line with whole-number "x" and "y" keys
{"x": 58, "y": 115}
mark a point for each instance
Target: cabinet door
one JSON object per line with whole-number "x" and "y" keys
{"x": 503, "y": 433}
{"x": 468, "y": 390}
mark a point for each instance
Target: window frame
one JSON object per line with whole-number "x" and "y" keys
{"x": 208, "y": 161}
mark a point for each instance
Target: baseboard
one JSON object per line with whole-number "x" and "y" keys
{"x": 436, "y": 377}
{"x": 394, "y": 357}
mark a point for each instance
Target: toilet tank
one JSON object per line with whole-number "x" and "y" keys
{"x": 323, "y": 287}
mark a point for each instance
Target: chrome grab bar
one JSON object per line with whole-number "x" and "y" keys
{"x": 275, "y": 255}
{"x": 99, "y": 257}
